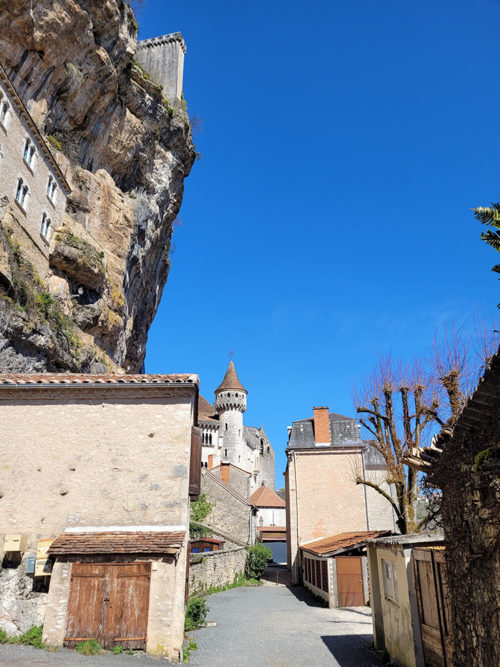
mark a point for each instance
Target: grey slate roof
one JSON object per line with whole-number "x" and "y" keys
{"x": 343, "y": 431}
{"x": 253, "y": 435}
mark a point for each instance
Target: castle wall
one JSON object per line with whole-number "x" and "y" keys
{"x": 163, "y": 59}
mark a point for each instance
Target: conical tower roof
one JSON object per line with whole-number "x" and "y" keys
{"x": 230, "y": 380}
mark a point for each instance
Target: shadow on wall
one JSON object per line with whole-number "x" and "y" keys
{"x": 352, "y": 650}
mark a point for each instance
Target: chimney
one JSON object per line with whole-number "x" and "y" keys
{"x": 224, "y": 471}
{"x": 321, "y": 427}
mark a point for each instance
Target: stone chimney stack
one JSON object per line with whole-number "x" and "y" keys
{"x": 163, "y": 58}
{"x": 321, "y": 427}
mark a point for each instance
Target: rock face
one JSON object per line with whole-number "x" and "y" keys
{"x": 125, "y": 151}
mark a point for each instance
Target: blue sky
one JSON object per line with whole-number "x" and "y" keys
{"x": 328, "y": 222}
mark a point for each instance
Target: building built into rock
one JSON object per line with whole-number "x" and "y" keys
{"x": 226, "y": 440}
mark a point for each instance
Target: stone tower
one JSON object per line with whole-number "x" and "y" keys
{"x": 163, "y": 58}
{"x": 230, "y": 404}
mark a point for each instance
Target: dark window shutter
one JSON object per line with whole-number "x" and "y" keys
{"x": 195, "y": 464}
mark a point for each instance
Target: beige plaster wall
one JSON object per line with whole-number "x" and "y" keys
{"x": 93, "y": 458}
{"x": 329, "y": 502}
{"x": 397, "y": 621}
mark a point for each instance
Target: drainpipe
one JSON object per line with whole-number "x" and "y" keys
{"x": 294, "y": 457}
{"x": 365, "y": 490}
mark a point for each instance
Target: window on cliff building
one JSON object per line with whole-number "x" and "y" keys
{"x": 52, "y": 189}
{"x": 4, "y": 112}
{"x": 22, "y": 193}
{"x": 45, "y": 227}
{"x": 29, "y": 153}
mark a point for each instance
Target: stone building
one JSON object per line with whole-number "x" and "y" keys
{"x": 95, "y": 482}
{"x": 163, "y": 58}
{"x": 226, "y": 440}
{"x": 324, "y": 455}
{"x": 33, "y": 189}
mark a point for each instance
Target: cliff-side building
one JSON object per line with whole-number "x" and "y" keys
{"x": 33, "y": 189}
{"x": 324, "y": 455}
{"x": 225, "y": 439}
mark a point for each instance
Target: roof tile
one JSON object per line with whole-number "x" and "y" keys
{"x": 82, "y": 378}
{"x": 333, "y": 543}
{"x": 117, "y": 543}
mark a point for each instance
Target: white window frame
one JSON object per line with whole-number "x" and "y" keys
{"x": 22, "y": 193}
{"x": 4, "y": 112}
{"x": 390, "y": 580}
{"x": 46, "y": 227}
{"x": 29, "y": 154}
{"x": 52, "y": 189}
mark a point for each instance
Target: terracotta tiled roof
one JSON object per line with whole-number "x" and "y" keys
{"x": 117, "y": 543}
{"x": 265, "y": 497}
{"x": 342, "y": 541}
{"x": 205, "y": 409}
{"x": 82, "y": 378}
{"x": 230, "y": 380}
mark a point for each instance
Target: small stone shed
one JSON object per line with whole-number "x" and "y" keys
{"x": 335, "y": 568}
{"x": 393, "y": 597}
{"x": 100, "y": 469}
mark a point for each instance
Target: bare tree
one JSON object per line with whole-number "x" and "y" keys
{"x": 400, "y": 408}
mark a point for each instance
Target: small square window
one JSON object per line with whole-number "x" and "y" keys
{"x": 390, "y": 580}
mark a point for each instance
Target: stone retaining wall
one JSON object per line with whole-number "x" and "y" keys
{"x": 215, "y": 568}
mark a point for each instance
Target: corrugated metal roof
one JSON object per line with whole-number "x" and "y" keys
{"x": 342, "y": 541}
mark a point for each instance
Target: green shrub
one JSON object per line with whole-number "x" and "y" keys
{"x": 257, "y": 559}
{"x": 4, "y": 638}
{"x": 196, "y": 612}
{"x": 32, "y": 637}
{"x": 89, "y": 647}
{"x": 186, "y": 650}
{"x": 117, "y": 650}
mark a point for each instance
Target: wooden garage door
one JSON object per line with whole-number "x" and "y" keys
{"x": 350, "y": 581}
{"x": 109, "y": 602}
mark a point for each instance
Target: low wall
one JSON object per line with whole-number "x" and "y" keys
{"x": 215, "y": 568}
{"x": 20, "y": 606}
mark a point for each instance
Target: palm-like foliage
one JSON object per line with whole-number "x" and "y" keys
{"x": 490, "y": 215}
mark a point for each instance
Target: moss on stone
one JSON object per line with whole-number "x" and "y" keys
{"x": 486, "y": 455}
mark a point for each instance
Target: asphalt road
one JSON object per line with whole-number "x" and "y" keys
{"x": 271, "y": 626}
{"x": 278, "y": 626}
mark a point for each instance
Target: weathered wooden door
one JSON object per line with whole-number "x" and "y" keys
{"x": 350, "y": 581}
{"x": 109, "y": 602}
{"x": 431, "y": 589}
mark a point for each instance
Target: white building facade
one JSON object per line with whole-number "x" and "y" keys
{"x": 225, "y": 439}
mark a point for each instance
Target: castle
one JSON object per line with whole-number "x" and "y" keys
{"x": 226, "y": 441}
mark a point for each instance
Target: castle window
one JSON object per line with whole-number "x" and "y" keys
{"x": 262, "y": 446}
{"x": 225, "y": 452}
{"x": 236, "y": 395}
{"x": 226, "y": 426}
{"x": 29, "y": 153}
{"x": 22, "y": 194}
{"x": 210, "y": 438}
{"x": 45, "y": 228}
{"x": 51, "y": 189}
{"x": 268, "y": 449}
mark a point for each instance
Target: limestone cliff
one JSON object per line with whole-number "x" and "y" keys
{"x": 125, "y": 151}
